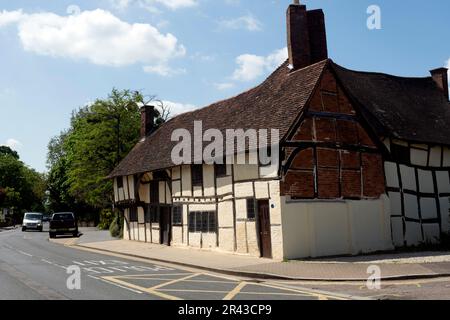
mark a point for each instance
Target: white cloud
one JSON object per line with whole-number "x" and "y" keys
{"x": 10, "y": 17}
{"x": 96, "y": 36}
{"x": 177, "y": 108}
{"x": 248, "y": 22}
{"x": 163, "y": 70}
{"x": 120, "y": 4}
{"x": 251, "y": 67}
{"x": 13, "y": 144}
{"x": 222, "y": 86}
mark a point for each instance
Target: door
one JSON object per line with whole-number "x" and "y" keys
{"x": 165, "y": 226}
{"x": 265, "y": 241}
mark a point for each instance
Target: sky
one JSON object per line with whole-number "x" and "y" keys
{"x": 56, "y": 56}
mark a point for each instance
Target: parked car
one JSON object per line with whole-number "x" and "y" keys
{"x": 32, "y": 221}
{"x": 63, "y": 223}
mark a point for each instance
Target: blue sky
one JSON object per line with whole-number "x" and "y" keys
{"x": 56, "y": 56}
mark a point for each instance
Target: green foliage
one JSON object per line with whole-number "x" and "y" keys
{"x": 106, "y": 218}
{"x": 116, "y": 227}
{"x": 21, "y": 187}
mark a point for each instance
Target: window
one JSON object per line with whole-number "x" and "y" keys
{"x": 251, "y": 209}
{"x": 221, "y": 170}
{"x": 119, "y": 182}
{"x": 151, "y": 214}
{"x": 177, "y": 215}
{"x": 197, "y": 175}
{"x": 203, "y": 221}
{"x": 154, "y": 192}
{"x": 400, "y": 153}
{"x": 133, "y": 214}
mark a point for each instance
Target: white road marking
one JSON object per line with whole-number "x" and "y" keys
{"x": 24, "y": 253}
{"x": 115, "y": 284}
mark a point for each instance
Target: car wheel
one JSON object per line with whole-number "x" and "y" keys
{"x": 24, "y": 229}
{"x": 75, "y": 234}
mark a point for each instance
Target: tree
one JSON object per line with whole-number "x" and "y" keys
{"x": 5, "y": 150}
{"x": 99, "y": 137}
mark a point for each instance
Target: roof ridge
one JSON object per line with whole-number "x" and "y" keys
{"x": 378, "y": 73}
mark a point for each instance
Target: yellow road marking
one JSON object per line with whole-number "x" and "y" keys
{"x": 173, "y": 281}
{"x": 148, "y": 290}
{"x": 235, "y": 291}
{"x": 319, "y": 295}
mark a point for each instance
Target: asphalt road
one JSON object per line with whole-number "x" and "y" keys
{"x": 31, "y": 267}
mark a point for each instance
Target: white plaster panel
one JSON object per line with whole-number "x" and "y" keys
{"x": 177, "y": 235}
{"x": 162, "y": 192}
{"x": 413, "y": 233}
{"x": 241, "y": 209}
{"x": 224, "y": 185}
{"x": 443, "y": 181}
{"x": 445, "y": 213}
{"x": 419, "y": 157}
{"x": 125, "y": 188}
{"x": 176, "y": 188}
{"x": 244, "y": 189}
{"x": 391, "y": 174}
{"x": 186, "y": 183}
{"x": 446, "y": 157}
{"x": 397, "y": 231}
{"x": 408, "y": 178}
{"x": 246, "y": 172}
{"x": 209, "y": 240}
{"x": 428, "y": 208}
{"x": 144, "y": 193}
{"x": 208, "y": 180}
{"x": 431, "y": 232}
{"x": 435, "y": 156}
{"x": 396, "y": 203}
{"x": 225, "y": 214}
{"x": 176, "y": 173}
{"x": 125, "y": 226}
{"x": 141, "y": 233}
{"x": 331, "y": 229}
{"x": 116, "y": 194}
{"x": 252, "y": 239}
{"x": 241, "y": 237}
{"x": 141, "y": 212}
{"x": 198, "y": 192}
{"x": 226, "y": 239}
{"x": 277, "y": 242}
{"x": 261, "y": 190}
{"x": 131, "y": 186}
{"x": 194, "y": 239}
{"x": 426, "y": 181}
{"x": 411, "y": 206}
{"x": 202, "y": 207}
{"x": 369, "y": 224}
{"x": 168, "y": 195}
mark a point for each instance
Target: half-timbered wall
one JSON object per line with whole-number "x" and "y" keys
{"x": 418, "y": 184}
{"x": 333, "y": 191}
{"x": 226, "y": 196}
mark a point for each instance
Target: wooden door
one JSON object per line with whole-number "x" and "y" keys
{"x": 265, "y": 239}
{"x": 165, "y": 225}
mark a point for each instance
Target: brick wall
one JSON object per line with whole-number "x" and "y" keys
{"x": 345, "y": 170}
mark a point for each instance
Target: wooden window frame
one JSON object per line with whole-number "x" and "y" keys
{"x": 251, "y": 209}
{"x": 177, "y": 217}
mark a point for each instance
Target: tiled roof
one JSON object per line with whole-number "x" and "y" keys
{"x": 413, "y": 109}
{"x": 272, "y": 105}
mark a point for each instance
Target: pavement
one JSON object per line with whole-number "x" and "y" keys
{"x": 392, "y": 266}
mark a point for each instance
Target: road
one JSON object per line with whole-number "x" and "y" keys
{"x": 31, "y": 267}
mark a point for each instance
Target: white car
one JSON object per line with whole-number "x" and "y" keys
{"x": 32, "y": 221}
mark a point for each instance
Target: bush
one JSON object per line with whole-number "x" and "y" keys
{"x": 116, "y": 227}
{"x": 106, "y": 219}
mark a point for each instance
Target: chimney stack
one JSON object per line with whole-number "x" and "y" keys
{"x": 440, "y": 76}
{"x": 307, "y": 40}
{"x": 148, "y": 115}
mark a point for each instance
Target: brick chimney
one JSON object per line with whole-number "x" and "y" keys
{"x": 440, "y": 76}
{"x": 306, "y": 33}
{"x": 148, "y": 114}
